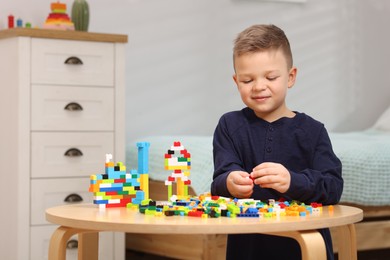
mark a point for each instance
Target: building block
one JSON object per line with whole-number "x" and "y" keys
{"x": 116, "y": 187}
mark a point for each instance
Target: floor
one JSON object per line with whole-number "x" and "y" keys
{"x": 363, "y": 255}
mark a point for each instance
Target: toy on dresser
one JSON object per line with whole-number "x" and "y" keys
{"x": 58, "y": 18}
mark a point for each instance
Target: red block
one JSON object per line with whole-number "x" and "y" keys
{"x": 195, "y": 213}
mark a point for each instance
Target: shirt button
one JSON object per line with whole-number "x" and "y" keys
{"x": 269, "y": 149}
{"x": 271, "y": 129}
{"x": 270, "y": 139}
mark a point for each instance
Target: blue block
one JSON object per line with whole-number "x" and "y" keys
{"x": 136, "y": 201}
{"x": 140, "y": 195}
{"x": 109, "y": 170}
{"x": 252, "y": 210}
{"x": 143, "y": 157}
{"x": 100, "y": 201}
{"x": 111, "y": 189}
{"x": 114, "y": 175}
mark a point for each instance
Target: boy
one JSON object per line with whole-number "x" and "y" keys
{"x": 267, "y": 151}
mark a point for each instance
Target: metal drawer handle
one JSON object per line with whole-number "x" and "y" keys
{"x": 73, "y": 152}
{"x": 73, "y": 61}
{"x": 73, "y": 107}
{"x": 72, "y": 244}
{"x": 73, "y": 198}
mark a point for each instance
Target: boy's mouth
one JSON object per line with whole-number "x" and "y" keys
{"x": 261, "y": 98}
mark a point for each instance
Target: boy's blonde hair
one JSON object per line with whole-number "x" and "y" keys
{"x": 258, "y": 38}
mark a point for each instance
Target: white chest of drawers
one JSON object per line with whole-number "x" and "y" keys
{"x": 62, "y": 109}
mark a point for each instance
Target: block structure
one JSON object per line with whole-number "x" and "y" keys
{"x": 178, "y": 159}
{"x": 116, "y": 187}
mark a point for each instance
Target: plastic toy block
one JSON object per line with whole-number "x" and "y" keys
{"x": 121, "y": 167}
{"x": 144, "y": 183}
{"x": 143, "y": 159}
{"x": 108, "y": 159}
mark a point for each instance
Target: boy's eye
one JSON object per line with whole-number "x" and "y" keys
{"x": 246, "y": 81}
{"x": 272, "y": 78}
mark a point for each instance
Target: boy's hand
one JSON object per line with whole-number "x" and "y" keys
{"x": 271, "y": 175}
{"x": 239, "y": 184}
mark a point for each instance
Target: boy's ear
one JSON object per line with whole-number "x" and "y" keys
{"x": 235, "y": 79}
{"x": 292, "y": 76}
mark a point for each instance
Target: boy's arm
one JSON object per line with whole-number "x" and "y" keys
{"x": 225, "y": 160}
{"x": 323, "y": 182}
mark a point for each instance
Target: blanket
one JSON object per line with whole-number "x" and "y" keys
{"x": 365, "y": 157}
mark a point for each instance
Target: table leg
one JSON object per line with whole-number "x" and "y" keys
{"x": 347, "y": 242}
{"x": 58, "y": 241}
{"x": 311, "y": 242}
{"x": 88, "y": 246}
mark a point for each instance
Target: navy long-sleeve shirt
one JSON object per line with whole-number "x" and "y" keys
{"x": 302, "y": 145}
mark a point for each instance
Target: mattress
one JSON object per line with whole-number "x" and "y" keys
{"x": 365, "y": 156}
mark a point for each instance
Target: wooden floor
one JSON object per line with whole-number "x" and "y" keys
{"x": 363, "y": 255}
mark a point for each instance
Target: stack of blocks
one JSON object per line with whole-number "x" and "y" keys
{"x": 179, "y": 160}
{"x": 116, "y": 188}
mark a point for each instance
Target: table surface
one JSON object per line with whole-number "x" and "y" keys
{"x": 90, "y": 217}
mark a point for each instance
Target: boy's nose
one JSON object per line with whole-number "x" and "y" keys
{"x": 259, "y": 85}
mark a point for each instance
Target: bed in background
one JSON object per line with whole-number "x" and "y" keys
{"x": 366, "y": 171}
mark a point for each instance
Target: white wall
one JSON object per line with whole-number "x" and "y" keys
{"x": 179, "y": 57}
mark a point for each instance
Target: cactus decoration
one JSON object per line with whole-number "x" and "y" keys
{"x": 80, "y": 15}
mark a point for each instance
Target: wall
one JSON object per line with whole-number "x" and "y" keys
{"x": 373, "y": 63}
{"x": 179, "y": 57}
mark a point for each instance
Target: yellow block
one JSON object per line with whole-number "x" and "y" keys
{"x": 144, "y": 184}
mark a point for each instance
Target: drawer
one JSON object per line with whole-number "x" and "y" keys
{"x": 72, "y": 108}
{"x": 72, "y": 62}
{"x": 40, "y": 238}
{"x": 69, "y": 154}
{"x": 46, "y": 193}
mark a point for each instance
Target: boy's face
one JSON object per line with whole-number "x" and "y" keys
{"x": 263, "y": 79}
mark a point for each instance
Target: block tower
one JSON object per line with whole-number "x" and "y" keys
{"x": 179, "y": 160}
{"x": 116, "y": 187}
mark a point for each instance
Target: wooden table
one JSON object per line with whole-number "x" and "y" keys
{"x": 87, "y": 220}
